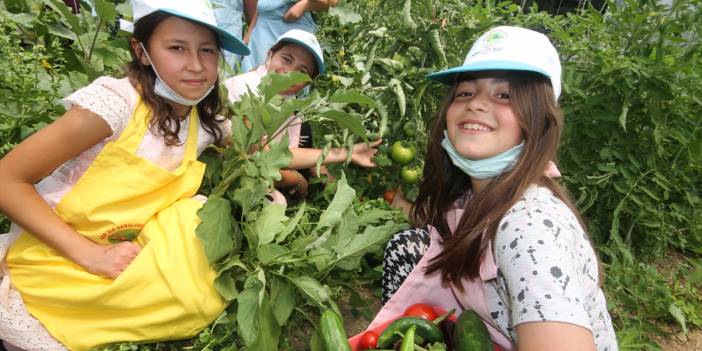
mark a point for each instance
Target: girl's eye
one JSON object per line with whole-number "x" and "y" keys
{"x": 176, "y": 48}
{"x": 503, "y": 96}
{"x": 464, "y": 93}
{"x": 209, "y": 50}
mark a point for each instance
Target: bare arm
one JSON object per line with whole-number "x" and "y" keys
{"x": 298, "y": 10}
{"x": 250, "y": 15}
{"x": 35, "y": 158}
{"x": 361, "y": 156}
{"x": 552, "y": 336}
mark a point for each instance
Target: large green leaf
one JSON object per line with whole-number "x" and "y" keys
{"x": 248, "y": 314}
{"x": 273, "y": 84}
{"x": 283, "y": 299}
{"x": 270, "y": 222}
{"x": 216, "y": 229}
{"x": 342, "y": 200}
{"x": 346, "y": 120}
{"x": 311, "y": 289}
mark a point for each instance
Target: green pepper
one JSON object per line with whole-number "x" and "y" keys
{"x": 425, "y": 329}
{"x": 331, "y": 330}
{"x": 408, "y": 341}
{"x": 471, "y": 334}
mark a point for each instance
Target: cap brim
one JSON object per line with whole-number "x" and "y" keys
{"x": 449, "y": 76}
{"x": 228, "y": 41}
{"x": 317, "y": 59}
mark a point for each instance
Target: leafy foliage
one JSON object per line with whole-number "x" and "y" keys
{"x": 631, "y": 155}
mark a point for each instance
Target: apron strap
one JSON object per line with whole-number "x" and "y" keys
{"x": 137, "y": 127}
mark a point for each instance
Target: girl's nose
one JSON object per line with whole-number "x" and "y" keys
{"x": 195, "y": 63}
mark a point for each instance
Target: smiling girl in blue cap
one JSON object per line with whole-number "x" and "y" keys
{"x": 504, "y": 239}
{"x": 103, "y": 249}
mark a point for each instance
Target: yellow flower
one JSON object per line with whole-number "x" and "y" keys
{"x": 46, "y": 64}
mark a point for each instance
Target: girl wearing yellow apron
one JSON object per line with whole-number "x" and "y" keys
{"x": 104, "y": 249}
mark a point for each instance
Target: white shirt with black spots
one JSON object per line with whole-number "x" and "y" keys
{"x": 547, "y": 270}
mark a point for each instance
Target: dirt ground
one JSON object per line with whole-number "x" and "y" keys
{"x": 681, "y": 342}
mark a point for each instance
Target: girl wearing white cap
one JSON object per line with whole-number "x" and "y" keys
{"x": 103, "y": 249}
{"x": 297, "y": 50}
{"x": 504, "y": 239}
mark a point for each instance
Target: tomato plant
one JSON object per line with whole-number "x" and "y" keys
{"x": 421, "y": 310}
{"x": 369, "y": 340}
{"x": 401, "y": 153}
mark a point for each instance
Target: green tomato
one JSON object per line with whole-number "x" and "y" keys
{"x": 402, "y": 154}
{"x": 409, "y": 129}
{"x": 410, "y": 175}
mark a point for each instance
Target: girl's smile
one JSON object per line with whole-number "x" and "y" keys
{"x": 480, "y": 122}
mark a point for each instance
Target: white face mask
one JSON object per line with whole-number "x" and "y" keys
{"x": 163, "y": 90}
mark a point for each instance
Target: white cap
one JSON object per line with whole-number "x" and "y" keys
{"x": 199, "y": 11}
{"x": 511, "y": 49}
{"x": 308, "y": 41}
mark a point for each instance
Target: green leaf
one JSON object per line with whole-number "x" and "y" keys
{"x": 269, "y": 330}
{"x": 216, "y": 229}
{"x": 106, "y": 10}
{"x": 248, "y": 312}
{"x": 270, "y": 222}
{"x": 292, "y": 224}
{"x": 346, "y": 120}
{"x": 269, "y": 252}
{"x": 273, "y": 84}
{"x": 65, "y": 12}
{"x": 272, "y": 160}
{"x": 352, "y": 96}
{"x": 679, "y": 316}
{"x": 342, "y": 200}
{"x": 373, "y": 238}
{"x": 312, "y": 289}
{"x": 226, "y": 286}
{"x": 283, "y": 300}
{"x": 250, "y": 192}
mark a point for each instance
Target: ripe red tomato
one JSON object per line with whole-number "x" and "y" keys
{"x": 389, "y": 196}
{"x": 422, "y": 311}
{"x": 369, "y": 340}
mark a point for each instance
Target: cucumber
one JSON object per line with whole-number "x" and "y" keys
{"x": 331, "y": 330}
{"x": 426, "y": 329}
{"x": 471, "y": 334}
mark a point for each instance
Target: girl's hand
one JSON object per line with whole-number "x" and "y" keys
{"x": 111, "y": 260}
{"x": 302, "y": 185}
{"x": 296, "y": 11}
{"x": 362, "y": 153}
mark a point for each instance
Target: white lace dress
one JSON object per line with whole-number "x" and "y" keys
{"x": 114, "y": 100}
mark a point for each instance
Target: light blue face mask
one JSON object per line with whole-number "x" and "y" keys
{"x": 487, "y": 168}
{"x": 163, "y": 90}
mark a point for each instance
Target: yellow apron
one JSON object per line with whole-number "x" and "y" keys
{"x": 167, "y": 292}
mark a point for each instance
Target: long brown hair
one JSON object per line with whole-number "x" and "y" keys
{"x": 540, "y": 119}
{"x": 163, "y": 119}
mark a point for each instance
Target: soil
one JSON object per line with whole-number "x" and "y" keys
{"x": 681, "y": 342}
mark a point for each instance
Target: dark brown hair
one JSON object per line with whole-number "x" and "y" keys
{"x": 540, "y": 119}
{"x": 164, "y": 120}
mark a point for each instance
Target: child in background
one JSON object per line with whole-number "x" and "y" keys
{"x": 229, "y": 15}
{"x": 504, "y": 239}
{"x": 276, "y": 17}
{"x": 297, "y": 51}
{"x": 104, "y": 249}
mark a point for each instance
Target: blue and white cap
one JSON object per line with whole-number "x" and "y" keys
{"x": 308, "y": 41}
{"x": 511, "y": 49}
{"x": 199, "y": 11}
